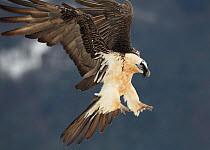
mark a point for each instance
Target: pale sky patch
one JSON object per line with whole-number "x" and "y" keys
{"x": 22, "y": 58}
{"x": 146, "y": 16}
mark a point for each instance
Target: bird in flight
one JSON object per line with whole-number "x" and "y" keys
{"x": 97, "y": 39}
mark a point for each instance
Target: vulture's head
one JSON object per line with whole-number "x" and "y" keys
{"x": 138, "y": 64}
{"x": 143, "y": 67}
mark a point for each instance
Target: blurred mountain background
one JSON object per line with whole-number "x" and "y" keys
{"x": 38, "y": 99}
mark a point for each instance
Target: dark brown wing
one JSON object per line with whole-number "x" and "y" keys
{"x": 54, "y": 24}
{"x": 113, "y": 21}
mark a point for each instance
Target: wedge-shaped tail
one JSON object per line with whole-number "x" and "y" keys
{"x": 84, "y": 126}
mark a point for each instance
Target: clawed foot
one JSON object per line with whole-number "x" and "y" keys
{"x": 123, "y": 109}
{"x": 143, "y": 107}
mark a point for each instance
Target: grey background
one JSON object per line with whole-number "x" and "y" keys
{"x": 38, "y": 99}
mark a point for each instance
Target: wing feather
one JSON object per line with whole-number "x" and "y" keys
{"x": 52, "y": 24}
{"x": 23, "y": 3}
{"x": 16, "y": 19}
{"x": 117, "y": 19}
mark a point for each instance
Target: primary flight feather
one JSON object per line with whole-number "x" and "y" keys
{"x": 97, "y": 39}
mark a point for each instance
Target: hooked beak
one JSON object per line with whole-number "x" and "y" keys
{"x": 144, "y": 69}
{"x": 147, "y": 73}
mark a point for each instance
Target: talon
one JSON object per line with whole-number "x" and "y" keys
{"x": 144, "y": 107}
{"x": 149, "y": 108}
{"x": 123, "y": 109}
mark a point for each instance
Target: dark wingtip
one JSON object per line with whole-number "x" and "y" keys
{"x": 8, "y": 34}
{"x": 3, "y": 20}
{"x": 62, "y": 134}
{"x": 5, "y": 8}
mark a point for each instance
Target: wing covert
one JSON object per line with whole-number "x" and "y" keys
{"x": 113, "y": 21}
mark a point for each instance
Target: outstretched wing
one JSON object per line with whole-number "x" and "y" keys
{"x": 113, "y": 21}
{"x": 54, "y": 24}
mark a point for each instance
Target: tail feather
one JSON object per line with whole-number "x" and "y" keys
{"x": 102, "y": 123}
{"x": 84, "y": 132}
{"x": 77, "y": 130}
{"x": 79, "y": 117}
{"x": 85, "y": 125}
{"x": 109, "y": 118}
{"x": 93, "y": 126}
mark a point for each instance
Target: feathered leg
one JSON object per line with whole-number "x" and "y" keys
{"x": 133, "y": 102}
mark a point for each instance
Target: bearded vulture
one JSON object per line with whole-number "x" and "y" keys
{"x": 97, "y": 39}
